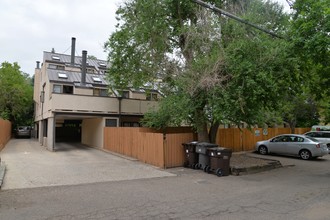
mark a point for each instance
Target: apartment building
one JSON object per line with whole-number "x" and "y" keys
{"x": 74, "y": 103}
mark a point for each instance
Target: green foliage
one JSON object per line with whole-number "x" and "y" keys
{"x": 92, "y": 57}
{"x": 300, "y": 111}
{"x": 310, "y": 28}
{"x": 212, "y": 69}
{"x": 325, "y": 111}
{"x": 16, "y": 92}
{"x": 172, "y": 112}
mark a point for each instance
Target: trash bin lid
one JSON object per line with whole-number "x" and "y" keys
{"x": 206, "y": 144}
{"x": 190, "y": 143}
{"x": 219, "y": 151}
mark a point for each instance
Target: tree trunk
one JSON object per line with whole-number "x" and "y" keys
{"x": 201, "y": 125}
{"x": 213, "y": 132}
{"x": 202, "y": 134}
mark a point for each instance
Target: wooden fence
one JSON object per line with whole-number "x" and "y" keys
{"x": 164, "y": 149}
{"x": 245, "y": 139}
{"x": 5, "y": 132}
{"x": 161, "y": 149}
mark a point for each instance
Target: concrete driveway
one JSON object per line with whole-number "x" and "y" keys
{"x": 30, "y": 165}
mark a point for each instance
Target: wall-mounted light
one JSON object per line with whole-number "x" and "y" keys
{"x": 42, "y": 97}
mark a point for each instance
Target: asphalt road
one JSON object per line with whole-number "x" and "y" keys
{"x": 294, "y": 192}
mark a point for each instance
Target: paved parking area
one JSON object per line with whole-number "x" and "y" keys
{"x": 30, "y": 165}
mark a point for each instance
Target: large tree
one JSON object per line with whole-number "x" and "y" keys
{"x": 212, "y": 69}
{"x": 16, "y": 94}
{"x": 310, "y": 34}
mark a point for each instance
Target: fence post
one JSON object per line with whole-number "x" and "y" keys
{"x": 164, "y": 151}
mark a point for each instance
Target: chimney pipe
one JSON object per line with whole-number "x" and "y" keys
{"x": 83, "y": 65}
{"x": 38, "y": 65}
{"x": 73, "y": 49}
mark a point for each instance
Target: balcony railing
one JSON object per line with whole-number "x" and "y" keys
{"x": 81, "y": 103}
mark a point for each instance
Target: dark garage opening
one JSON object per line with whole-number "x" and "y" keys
{"x": 68, "y": 131}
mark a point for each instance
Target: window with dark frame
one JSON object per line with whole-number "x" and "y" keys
{"x": 152, "y": 96}
{"x": 67, "y": 89}
{"x": 100, "y": 92}
{"x": 110, "y": 122}
{"x": 57, "y": 88}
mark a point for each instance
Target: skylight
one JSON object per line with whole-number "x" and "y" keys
{"x": 62, "y": 75}
{"x": 96, "y": 79}
{"x": 103, "y": 64}
{"x": 55, "y": 57}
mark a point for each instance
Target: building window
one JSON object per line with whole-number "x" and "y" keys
{"x": 62, "y": 89}
{"x": 90, "y": 70}
{"x": 62, "y": 75}
{"x": 56, "y": 67}
{"x": 96, "y": 79}
{"x": 57, "y": 89}
{"x": 57, "y": 58}
{"x": 102, "y": 65}
{"x": 103, "y": 92}
{"x": 100, "y": 92}
{"x": 110, "y": 122}
{"x": 125, "y": 94}
{"x": 68, "y": 89}
{"x": 152, "y": 97}
{"x": 131, "y": 124}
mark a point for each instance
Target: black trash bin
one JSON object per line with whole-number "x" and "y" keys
{"x": 203, "y": 157}
{"x": 191, "y": 157}
{"x": 219, "y": 160}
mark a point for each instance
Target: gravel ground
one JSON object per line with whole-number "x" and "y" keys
{"x": 242, "y": 160}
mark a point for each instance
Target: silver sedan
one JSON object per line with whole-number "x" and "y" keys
{"x": 293, "y": 145}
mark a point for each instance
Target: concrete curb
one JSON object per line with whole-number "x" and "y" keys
{"x": 272, "y": 164}
{"x": 2, "y": 172}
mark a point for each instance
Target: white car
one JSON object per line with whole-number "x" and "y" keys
{"x": 294, "y": 145}
{"x": 322, "y": 136}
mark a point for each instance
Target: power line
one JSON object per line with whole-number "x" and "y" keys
{"x": 222, "y": 12}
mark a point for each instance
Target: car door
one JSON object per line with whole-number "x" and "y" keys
{"x": 293, "y": 145}
{"x": 278, "y": 144}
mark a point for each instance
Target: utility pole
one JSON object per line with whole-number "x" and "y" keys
{"x": 290, "y": 3}
{"x": 222, "y": 12}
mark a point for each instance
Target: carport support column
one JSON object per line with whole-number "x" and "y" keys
{"x": 40, "y": 132}
{"x": 51, "y": 133}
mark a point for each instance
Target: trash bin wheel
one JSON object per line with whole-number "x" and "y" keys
{"x": 197, "y": 166}
{"x": 218, "y": 172}
{"x": 207, "y": 169}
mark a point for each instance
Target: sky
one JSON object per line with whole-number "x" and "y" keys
{"x": 29, "y": 27}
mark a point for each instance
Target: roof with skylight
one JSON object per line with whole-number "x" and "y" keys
{"x": 62, "y": 75}
{"x": 56, "y": 58}
{"x": 96, "y": 79}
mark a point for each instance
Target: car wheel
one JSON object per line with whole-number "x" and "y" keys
{"x": 263, "y": 150}
{"x": 305, "y": 155}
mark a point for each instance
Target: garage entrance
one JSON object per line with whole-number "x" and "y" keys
{"x": 68, "y": 131}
